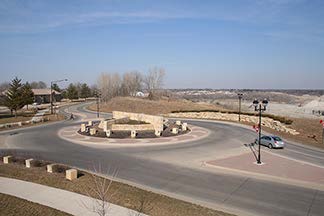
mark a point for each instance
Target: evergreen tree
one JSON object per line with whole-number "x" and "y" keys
{"x": 27, "y": 94}
{"x": 85, "y": 91}
{"x": 72, "y": 92}
{"x": 56, "y": 87}
{"x": 14, "y": 97}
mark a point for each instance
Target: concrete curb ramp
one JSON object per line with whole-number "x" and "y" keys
{"x": 66, "y": 201}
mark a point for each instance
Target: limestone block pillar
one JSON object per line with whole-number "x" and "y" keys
{"x": 105, "y": 126}
{"x": 50, "y": 168}
{"x": 7, "y": 159}
{"x": 184, "y": 127}
{"x": 133, "y": 134}
{"x": 83, "y": 127}
{"x": 157, "y": 133}
{"x": 175, "y": 130}
{"x": 71, "y": 174}
{"x": 28, "y": 162}
{"x": 93, "y": 131}
{"x": 108, "y": 133}
{"x": 178, "y": 122}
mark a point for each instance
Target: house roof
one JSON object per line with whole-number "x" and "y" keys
{"x": 44, "y": 92}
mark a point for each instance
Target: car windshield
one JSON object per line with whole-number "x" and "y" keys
{"x": 277, "y": 138}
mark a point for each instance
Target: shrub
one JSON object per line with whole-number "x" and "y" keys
{"x": 58, "y": 168}
{"x": 281, "y": 119}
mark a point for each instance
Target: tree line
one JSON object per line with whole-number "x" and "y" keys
{"x": 112, "y": 84}
{"x": 78, "y": 90}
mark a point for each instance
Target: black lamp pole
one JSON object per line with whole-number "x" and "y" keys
{"x": 260, "y": 107}
{"x": 240, "y": 95}
{"x": 51, "y": 96}
{"x": 98, "y": 101}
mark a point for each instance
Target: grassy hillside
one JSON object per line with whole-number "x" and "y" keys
{"x": 139, "y": 105}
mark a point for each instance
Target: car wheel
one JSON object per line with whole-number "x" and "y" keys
{"x": 270, "y": 146}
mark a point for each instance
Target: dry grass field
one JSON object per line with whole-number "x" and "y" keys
{"x": 21, "y": 116}
{"x": 124, "y": 195}
{"x": 13, "y": 206}
{"x": 310, "y": 132}
{"x": 139, "y": 105}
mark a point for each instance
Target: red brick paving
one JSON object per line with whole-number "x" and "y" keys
{"x": 275, "y": 166}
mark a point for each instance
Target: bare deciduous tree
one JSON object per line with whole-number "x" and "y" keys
{"x": 153, "y": 81}
{"x": 100, "y": 190}
{"x": 131, "y": 83}
{"x": 144, "y": 205}
{"x": 109, "y": 85}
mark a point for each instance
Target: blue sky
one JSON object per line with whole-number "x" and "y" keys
{"x": 200, "y": 44}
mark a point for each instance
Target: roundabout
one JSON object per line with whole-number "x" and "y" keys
{"x": 177, "y": 167}
{"x": 71, "y": 134}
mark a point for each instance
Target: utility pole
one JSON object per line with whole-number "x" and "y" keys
{"x": 240, "y": 95}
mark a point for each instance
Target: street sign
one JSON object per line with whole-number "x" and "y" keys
{"x": 256, "y": 128}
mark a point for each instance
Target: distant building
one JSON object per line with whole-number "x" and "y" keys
{"x": 43, "y": 95}
{"x": 140, "y": 94}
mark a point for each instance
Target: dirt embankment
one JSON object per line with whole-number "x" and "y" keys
{"x": 153, "y": 107}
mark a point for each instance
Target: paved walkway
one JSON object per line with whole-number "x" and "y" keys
{"x": 274, "y": 166}
{"x": 39, "y": 115}
{"x": 72, "y": 203}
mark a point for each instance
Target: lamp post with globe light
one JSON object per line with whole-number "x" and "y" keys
{"x": 240, "y": 96}
{"x": 51, "y": 92}
{"x": 260, "y": 107}
{"x": 322, "y": 122}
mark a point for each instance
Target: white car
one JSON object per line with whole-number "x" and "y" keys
{"x": 271, "y": 142}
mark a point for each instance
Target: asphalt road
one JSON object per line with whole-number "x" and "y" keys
{"x": 176, "y": 170}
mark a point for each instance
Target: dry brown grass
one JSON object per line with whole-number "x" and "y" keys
{"x": 8, "y": 118}
{"x": 140, "y": 105}
{"x": 310, "y": 132}
{"x": 12, "y": 206}
{"x": 124, "y": 195}
{"x": 49, "y": 118}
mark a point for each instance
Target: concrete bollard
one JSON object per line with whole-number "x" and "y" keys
{"x": 108, "y": 133}
{"x": 133, "y": 133}
{"x": 28, "y": 162}
{"x": 7, "y": 159}
{"x": 157, "y": 133}
{"x": 178, "y": 122}
{"x": 71, "y": 174}
{"x": 175, "y": 130}
{"x": 50, "y": 168}
{"x": 93, "y": 131}
{"x": 90, "y": 123}
{"x": 184, "y": 127}
{"x": 83, "y": 127}
{"x": 105, "y": 126}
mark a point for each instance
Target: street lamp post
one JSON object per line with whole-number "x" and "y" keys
{"x": 260, "y": 107}
{"x": 240, "y": 95}
{"x": 97, "y": 94}
{"x": 51, "y": 96}
{"x": 322, "y": 122}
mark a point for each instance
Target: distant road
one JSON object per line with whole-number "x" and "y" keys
{"x": 177, "y": 170}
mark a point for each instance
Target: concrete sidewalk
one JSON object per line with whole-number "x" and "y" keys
{"x": 69, "y": 202}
